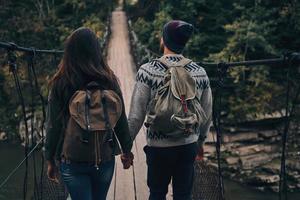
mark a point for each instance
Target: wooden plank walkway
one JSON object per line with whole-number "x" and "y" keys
{"x": 121, "y": 61}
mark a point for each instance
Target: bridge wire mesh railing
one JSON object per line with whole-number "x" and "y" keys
{"x": 43, "y": 189}
{"x": 209, "y": 184}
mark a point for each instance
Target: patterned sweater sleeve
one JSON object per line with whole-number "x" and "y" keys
{"x": 139, "y": 101}
{"x": 206, "y": 103}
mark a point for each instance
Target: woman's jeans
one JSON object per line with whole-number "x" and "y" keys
{"x": 85, "y": 182}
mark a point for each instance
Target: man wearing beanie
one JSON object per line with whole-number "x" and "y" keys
{"x": 170, "y": 158}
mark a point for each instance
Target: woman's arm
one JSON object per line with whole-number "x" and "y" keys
{"x": 122, "y": 131}
{"x": 53, "y": 127}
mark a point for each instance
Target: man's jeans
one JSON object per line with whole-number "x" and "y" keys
{"x": 85, "y": 182}
{"x": 171, "y": 163}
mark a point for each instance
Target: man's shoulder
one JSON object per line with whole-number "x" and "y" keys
{"x": 195, "y": 68}
{"x": 154, "y": 66}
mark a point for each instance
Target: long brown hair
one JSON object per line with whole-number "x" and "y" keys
{"x": 82, "y": 63}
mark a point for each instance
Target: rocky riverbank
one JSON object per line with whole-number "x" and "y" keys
{"x": 252, "y": 157}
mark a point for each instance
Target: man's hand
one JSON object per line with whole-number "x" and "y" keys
{"x": 127, "y": 160}
{"x": 52, "y": 171}
{"x": 200, "y": 154}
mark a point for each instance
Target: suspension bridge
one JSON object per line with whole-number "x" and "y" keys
{"x": 131, "y": 184}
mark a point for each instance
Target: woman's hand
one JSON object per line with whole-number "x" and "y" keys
{"x": 127, "y": 160}
{"x": 52, "y": 171}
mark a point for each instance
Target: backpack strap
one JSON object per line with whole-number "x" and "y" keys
{"x": 85, "y": 134}
{"x": 106, "y": 118}
{"x": 183, "y": 62}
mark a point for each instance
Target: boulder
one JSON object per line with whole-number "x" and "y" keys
{"x": 268, "y": 178}
{"x": 252, "y": 149}
{"x": 3, "y": 136}
{"x": 272, "y": 167}
{"x": 294, "y": 164}
{"x": 255, "y": 160}
{"x": 241, "y": 137}
{"x": 268, "y": 134}
{"x": 232, "y": 160}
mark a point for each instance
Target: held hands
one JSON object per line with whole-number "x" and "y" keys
{"x": 127, "y": 160}
{"x": 52, "y": 171}
{"x": 200, "y": 154}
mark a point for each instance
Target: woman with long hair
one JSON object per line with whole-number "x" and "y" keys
{"x": 82, "y": 63}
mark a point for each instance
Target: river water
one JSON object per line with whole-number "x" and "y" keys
{"x": 11, "y": 155}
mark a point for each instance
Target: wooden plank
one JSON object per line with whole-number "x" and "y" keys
{"x": 121, "y": 61}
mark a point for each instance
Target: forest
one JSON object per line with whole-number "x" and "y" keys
{"x": 231, "y": 31}
{"x": 42, "y": 24}
{"x": 224, "y": 31}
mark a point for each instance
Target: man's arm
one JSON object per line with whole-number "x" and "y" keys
{"x": 139, "y": 101}
{"x": 206, "y": 103}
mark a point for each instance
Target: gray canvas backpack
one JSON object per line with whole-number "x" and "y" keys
{"x": 175, "y": 111}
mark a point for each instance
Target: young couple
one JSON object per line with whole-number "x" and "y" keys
{"x": 87, "y": 124}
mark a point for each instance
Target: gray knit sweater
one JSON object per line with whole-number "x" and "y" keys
{"x": 148, "y": 79}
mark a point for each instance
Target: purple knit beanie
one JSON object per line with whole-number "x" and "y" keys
{"x": 176, "y": 34}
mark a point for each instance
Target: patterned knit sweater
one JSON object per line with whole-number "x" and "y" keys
{"x": 148, "y": 79}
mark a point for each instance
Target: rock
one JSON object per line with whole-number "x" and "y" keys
{"x": 209, "y": 149}
{"x": 252, "y": 149}
{"x": 268, "y": 134}
{"x": 275, "y": 188}
{"x": 3, "y": 136}
{"x": 252, "y": 161}
{"x": 232, "y": 160}
{"x": 241, "y": 137}
{"x": 268, "y": 178}
{"x": 272, "y": 167}
{"x": 294, "y": 164}
{"x": 263, "y": 179}
{"x": 211, "y": 137}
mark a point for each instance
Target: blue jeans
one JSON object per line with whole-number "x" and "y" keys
{"x": 85, "y": 182}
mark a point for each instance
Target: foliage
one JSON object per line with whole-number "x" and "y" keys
{"x": 43, "y": 24}
{"x": 233, "y": 31}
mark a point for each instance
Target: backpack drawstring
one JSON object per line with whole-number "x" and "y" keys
{"x": 97, "y": 150}
{"x": 185, "y": 111}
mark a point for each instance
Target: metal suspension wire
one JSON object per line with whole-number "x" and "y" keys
{"x": 21, "y": 163}
{"x": 34, "y": 86}
{"x": 115, "y": 182}
{"x": 13, "y": 46}
{"x": 13, "y": 68}
{"x": 222, "y": 69}
{"x": 32, "y": 116}
{"x": 134, "y": 182}
{"x": 42, "y": 100}
{"x": 288, "y": 112}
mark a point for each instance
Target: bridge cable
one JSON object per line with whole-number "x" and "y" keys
{"x": 21, "y": 163}
{"x": 115, "y": 181}
{"x": 30, "y": 63}
{"x": 42, "y": 128}
{"x": 13, "y": 68}
{"x": 134, "y": 182}
{"x": 217, "y": 104}
{"x": 288, "y": 59}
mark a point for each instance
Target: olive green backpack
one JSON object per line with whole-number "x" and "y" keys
{"x": 175, "y": 110}
{"x": 89, "y": 134}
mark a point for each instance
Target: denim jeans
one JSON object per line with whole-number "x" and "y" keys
{"x": 171, "y": 163}
{"x": 85, "y": 182}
